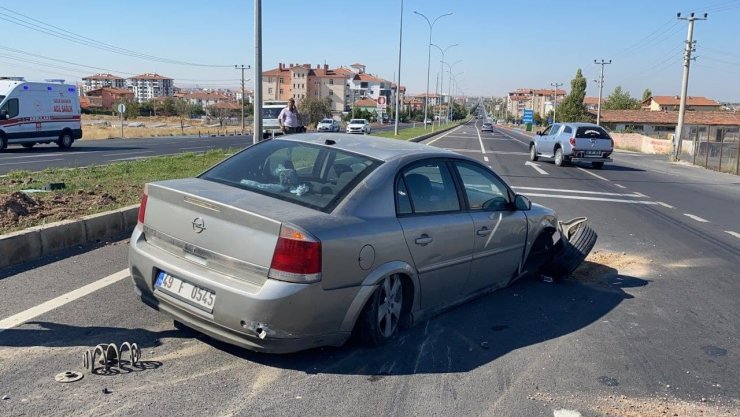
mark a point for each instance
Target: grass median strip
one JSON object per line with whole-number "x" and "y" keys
{"x": 92, "y": 189}
{"x": 412, "y": 132}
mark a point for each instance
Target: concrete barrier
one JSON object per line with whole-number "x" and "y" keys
{"x": 35, "y": 242}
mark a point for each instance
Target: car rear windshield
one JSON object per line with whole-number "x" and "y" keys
{"x": 310, "y": 175}
{"x": 591, "y": 132}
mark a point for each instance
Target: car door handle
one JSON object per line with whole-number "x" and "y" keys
{"x": 483, "y": 231}
{"x": 423, "y": 240}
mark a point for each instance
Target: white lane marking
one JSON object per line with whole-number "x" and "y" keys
{"x": 666, "y": 205}
{"x": 480, "y": 139}
{"x": 30, "y": 162}
{"x": 565, "y": 413}
{"x": 38, "y": 156}
{"x": 126, "y": 153}
{"x": 536, "y": 167}
{"x": 591, "y": 173}
{"x": 485, "y": 158}
{"x": 564, "y": 190}
{"x": 640, "y": 194}
{"x": 619, "y": 185}
{"x": 736, "y": 234}
{"x": 33, "y": 312}
{"x": 508, "y": 153}
{"x": 697, "y": 218}
{"x": 578, "y": 197}
{"x": 434, "y": 140}
{"x": 515, "y": 139}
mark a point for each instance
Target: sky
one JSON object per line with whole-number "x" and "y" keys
{"x": 502, "y": 45}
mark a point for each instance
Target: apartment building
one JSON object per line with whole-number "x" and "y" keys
{"x": 541, "y": 100}
{"x": 96, "y": 81}
{"x": 299, "y": 81}
{"x": 150, "y": 86}
{"x": 106, "y": 98}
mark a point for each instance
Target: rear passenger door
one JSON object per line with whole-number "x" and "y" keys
{"x": 552, "y": 139}
{"x": 438, "y": 233}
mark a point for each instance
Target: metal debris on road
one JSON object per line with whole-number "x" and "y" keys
{"x": 111, "y": 355}
{"x": 106, "y": 391}
{"x": 5, "y": 397}
{"x": 68, "y": 376}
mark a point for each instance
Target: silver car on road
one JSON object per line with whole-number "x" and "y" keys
{"x": 300, "y": 241}
{"x": 573, "y": 142}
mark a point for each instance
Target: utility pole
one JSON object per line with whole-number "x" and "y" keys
{"x": 398, "y": 81}
{"x": 242, "y": 67}
{"x": 601, "y": 87}
{"x": 257, "y": 72}
{"x": 556, "y": 85}
{"x": 684, "y": 82}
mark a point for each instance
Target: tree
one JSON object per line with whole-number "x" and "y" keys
{"x": 571, "y": 109}
{"x": 621, "y": 100}
{"x": 314, "y": 109}
{"x": 132, "y": 108}
{"x": 646, "y": 94}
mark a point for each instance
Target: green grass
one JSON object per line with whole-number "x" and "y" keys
{"x": 412, "y": 132}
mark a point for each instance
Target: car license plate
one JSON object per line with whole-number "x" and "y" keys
{"x": 593, "y": 153}
{"x": 186, "y": 291}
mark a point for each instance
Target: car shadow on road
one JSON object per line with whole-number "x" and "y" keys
{"x": 527, "y": 313}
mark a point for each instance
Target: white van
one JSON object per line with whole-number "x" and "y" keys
{"x": 270, "y": 112}
{"x": 34, "y": 112}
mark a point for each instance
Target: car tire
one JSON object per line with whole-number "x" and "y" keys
{"x": 573, "y": 252}
{"x": 379, "y": 321}
{"x": 65, "y": 140}
{"x": 533, "y": 153}
{"x": 28, "y": 145}
{"x": 559, "y": 158}
{"x": 597, "y": 165}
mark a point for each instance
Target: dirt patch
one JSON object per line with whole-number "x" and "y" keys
{"x": 624, "y": 406}
{"x": 19, "y": 210}
{"x": 604, "y": 264}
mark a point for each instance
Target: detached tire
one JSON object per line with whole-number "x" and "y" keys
{"x": 379, "y": 320}
{"x": 574, "y": 252}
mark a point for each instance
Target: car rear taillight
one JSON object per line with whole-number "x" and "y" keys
{"x": 297, "y": 257}
{"x": 572, "y": 141}
{"x": 142, "y": 208}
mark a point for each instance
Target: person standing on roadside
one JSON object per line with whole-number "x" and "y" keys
{"x": 289, "y": 118}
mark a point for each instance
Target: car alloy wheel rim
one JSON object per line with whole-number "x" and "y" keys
{"x": 558, "y": 157}
{"x": 389, "y": 311}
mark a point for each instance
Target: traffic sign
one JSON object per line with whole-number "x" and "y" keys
{"x": 122, "y": 108}
{"x": 381, "y": 106}
{"x": 528, "y": 116}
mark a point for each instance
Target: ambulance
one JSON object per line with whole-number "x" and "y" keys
{"x": 36, "y": 112}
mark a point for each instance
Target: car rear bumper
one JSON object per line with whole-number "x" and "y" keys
{"x": 586, "y": 159}
{"x": 276, "y": 317}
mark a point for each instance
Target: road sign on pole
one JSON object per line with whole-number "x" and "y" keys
{"x": 382, "y": 104}
{"x": 121, "y": 110}
{"x": 528, "y": 116}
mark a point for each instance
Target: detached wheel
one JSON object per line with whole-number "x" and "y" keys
{"x": 533, "y": 153}
{"x": 574, "y": 251}
{"x": 597, "y": 165}
{"x": 379, "y": 320}
{"x": 559, "y": 160}
{"x": 65, "y": 140}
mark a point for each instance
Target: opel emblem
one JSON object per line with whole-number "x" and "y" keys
{"x": 199, "y": 225}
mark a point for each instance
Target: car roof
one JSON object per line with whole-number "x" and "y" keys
{"x": 577, "y": 124}
{"x": 375, "y": 147}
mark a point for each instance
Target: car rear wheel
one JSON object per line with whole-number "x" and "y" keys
{"x": 559, "y": 160}
{"x": 380, "y": 319}
{"x": 533, "y": 153}
{"x": 65, "y": 140}
{"x": 597, "y": 165}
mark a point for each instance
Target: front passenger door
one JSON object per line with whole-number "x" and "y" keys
{"x": 500, "y": 229}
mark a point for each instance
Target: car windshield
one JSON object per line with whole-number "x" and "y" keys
{"x": 309, "y": 175}
{"x": 326, "y": 121}
{"x": 591, "y": 132}
{"x": 271, "y": 112}
{"x": 357, "y": 121}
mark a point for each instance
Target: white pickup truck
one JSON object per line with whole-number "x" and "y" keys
{"x": 573, "y": 142}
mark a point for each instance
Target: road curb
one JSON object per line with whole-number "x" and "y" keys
{"x": 35, "y": 242}
{"x": 435, "y": 133}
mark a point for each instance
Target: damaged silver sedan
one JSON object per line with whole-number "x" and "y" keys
{"x": 305, "y": 240}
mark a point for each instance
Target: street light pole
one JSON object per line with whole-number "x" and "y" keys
{"x": 398, "y": 81}
{"x": 429, "y": 58}
{"x": 556, "y": 85}
{"x": 242, "y": 67}
{"x": 441, "y": 78}
{"x": 449, "y": 87}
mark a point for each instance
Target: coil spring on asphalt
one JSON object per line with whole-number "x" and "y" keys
{"x": 109, "y": 355}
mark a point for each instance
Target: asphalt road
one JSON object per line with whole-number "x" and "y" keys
{"x": 98, "y": 152}
{"x": 651, "y": 326}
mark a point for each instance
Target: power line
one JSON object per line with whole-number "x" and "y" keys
{"x": 28, "y": 22}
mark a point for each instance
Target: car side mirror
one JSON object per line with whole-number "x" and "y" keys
{"x": 522, "y": 203}
{"x": 539, "y": 133}
{"x": 4, "y": 114}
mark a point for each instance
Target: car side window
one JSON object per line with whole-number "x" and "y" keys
{"x": 567, "y": 129}
{"x": 11, "y": 107}
{"x": 430, "y": 189}
{"x": 483, "y": 190}
{"x": 554, "y": 130}
{"x": 546, "y": 131}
